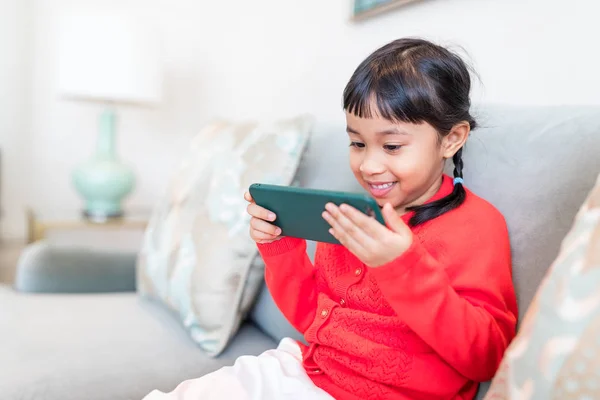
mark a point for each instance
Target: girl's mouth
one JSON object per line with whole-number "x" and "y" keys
{"x": 380, "y": 189}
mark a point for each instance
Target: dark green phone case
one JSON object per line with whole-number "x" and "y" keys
{"x": 299, "y": 210}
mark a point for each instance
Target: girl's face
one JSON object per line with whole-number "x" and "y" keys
{"x": 396, "y": 162}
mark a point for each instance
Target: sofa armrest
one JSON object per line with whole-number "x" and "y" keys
{"x": 44, "y": 268}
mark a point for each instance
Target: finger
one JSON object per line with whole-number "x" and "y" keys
{"x": 265, "y": 227}
{"x": 393, "y": 220}
{"x": 259, "y": 212}
{"x": 367, "y": 224}
{"x": 349, "y": 227}
{"x": 342, "y": 236}
{"x": 248, "y": 197}
{"x": 352, "y": 245}
{"x": 258, "y": 236}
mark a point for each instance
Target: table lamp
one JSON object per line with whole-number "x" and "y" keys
{"x": 109, "y": 59}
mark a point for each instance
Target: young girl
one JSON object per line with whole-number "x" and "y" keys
{"x": 421, "y": 308}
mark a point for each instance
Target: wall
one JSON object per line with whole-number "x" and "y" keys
{"x": 272, "y": 58}
{"x": 15, "y": 112}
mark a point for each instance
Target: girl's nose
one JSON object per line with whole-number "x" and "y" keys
{"x": 371, "y": 167}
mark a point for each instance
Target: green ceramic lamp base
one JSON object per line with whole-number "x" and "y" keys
{"x": 104, "y": 181}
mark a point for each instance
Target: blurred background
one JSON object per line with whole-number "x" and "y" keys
{"x": 104, "y": 106}
{"x": 249, "y": 60}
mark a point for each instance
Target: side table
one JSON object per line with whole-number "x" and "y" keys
{"x": 72, "y": 228}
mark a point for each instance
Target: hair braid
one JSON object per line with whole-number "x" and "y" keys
{"x": 429, "y": 211}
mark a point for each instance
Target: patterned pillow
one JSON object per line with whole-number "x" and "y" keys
{"x": 556, "y": 354}
{"x": 197, "y": 256}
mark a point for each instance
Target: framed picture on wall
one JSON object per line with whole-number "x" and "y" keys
{"x": 368, "y": 8}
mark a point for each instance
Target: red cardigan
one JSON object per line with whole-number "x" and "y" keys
{"x": 429, "y": 325}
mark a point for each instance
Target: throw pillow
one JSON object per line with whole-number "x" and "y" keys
{"x": 556, "y": 353}
{"x": 197, "y": 256}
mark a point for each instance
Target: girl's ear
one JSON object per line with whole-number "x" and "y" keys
{"x": 455, "y": 139}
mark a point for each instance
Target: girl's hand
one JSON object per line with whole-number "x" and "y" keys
{"x": 261, "y": 231}
{"x": 373, "y": 243}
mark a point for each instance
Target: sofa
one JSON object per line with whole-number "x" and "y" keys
{"x": 72, "y": 326}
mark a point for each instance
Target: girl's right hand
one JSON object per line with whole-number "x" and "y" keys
{"x": 261, "y": 230}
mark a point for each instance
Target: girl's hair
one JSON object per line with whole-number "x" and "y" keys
{"x": 416, "y": 81}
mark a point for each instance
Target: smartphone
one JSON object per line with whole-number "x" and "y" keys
{"x": 299, "y": 210}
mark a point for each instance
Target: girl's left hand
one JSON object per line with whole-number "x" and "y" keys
{"x": 373, "y": 243}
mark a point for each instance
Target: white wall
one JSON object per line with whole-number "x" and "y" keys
{"x": 269, "y": 58}
{"x": 15, "y": 111}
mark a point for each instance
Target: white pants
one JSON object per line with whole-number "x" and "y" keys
{"x": 275, "y": 374}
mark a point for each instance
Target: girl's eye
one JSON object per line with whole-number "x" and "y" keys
{"x": 358, "y": 145}
{"x": 392, "y": 147}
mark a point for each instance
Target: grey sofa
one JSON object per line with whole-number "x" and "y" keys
{"x": 535, "y": 164}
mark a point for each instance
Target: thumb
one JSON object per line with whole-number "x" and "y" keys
{"x": 392, "y": 220}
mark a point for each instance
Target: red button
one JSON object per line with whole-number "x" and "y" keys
{"x": 324, "y": 313}
{"x": 358, "y": 271}
{"x": 343, "y": 302}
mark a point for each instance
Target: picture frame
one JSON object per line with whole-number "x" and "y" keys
{"x": 364, "y": 9}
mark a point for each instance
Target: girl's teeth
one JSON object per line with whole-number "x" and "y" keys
{"x": 384, "y": 186}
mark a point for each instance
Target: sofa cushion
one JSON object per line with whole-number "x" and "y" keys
{"x": 197, "y": 256}
{"x": 556, "y": 353}
{"x": 101, "y": 346}
{"x": 536, "y": 165}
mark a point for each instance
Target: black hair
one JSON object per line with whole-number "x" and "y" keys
{"x": 413, "y": 80}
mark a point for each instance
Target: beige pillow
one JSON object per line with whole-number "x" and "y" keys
{"x": 556, "y": 354}
{"x": 197, "y": 256}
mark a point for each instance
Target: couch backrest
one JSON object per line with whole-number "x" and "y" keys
{"x": 535, "y": 164}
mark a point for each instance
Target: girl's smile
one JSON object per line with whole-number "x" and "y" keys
{"x": 380, "y": 189}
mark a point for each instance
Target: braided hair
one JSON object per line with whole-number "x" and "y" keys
{"x": 416, "y": 81}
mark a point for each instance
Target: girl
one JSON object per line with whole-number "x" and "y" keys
{"x": 421, "y": 308}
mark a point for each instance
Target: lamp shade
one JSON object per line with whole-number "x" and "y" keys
{"x": 108, "y": 57}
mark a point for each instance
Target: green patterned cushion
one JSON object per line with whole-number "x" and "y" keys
{"x": 556, "y": 354}
{"x": 197, "y": 256}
